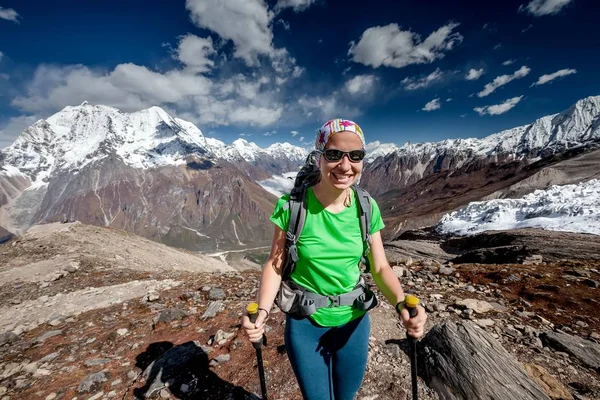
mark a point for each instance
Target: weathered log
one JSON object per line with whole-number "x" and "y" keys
{"x": 462, "y": 361}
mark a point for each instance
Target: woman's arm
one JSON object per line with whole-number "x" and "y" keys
{"x": 382, "y": 273}
{"x": 269, "y": 285}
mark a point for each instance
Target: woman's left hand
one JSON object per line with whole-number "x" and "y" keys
{"x": 415, "y": 325}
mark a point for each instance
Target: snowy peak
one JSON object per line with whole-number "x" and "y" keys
{"x": 78, "y": 135}
{"x": 570, "y": 128}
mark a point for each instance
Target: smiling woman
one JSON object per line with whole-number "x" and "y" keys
{"x": 322, "y": 292}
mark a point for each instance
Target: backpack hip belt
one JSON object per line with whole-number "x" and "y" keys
{"x": 297, "y": 300}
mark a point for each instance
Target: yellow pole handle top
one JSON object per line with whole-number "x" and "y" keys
{"x": 411, "y": 301}
{"x": 252, "y": 308}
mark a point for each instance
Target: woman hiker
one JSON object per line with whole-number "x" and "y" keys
{"x": 328, "y": 349}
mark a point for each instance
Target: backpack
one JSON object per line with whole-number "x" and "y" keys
{"x": 294, "y": 299}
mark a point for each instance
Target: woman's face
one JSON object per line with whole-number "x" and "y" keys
{"x": 343, "y": 173}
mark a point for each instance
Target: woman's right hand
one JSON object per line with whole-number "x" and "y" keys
{"x": 255, "y": 331}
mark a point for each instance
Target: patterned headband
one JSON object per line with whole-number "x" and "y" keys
{"x": 334, "y": 126}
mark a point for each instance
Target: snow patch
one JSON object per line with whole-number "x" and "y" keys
{"x": 567, "y": 208}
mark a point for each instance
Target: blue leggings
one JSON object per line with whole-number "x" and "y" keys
{"x": 329, "y": 362}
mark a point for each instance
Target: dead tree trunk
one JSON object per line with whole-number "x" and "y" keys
{"x": 462, "y": 361}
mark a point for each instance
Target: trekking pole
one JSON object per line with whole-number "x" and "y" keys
{"x": 252, "y": 310}
{"x": 411, "y": 302}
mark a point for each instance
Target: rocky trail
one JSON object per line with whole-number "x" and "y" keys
{"x": 117, "y": 316}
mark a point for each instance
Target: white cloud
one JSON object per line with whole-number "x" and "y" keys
{"x": 294, "y": 133}
{"x": 448, "y": 99}
{"x": 194, "y": 52}
{"x": 232, "y": 100}
{"x": 414, "y": 83}
{"x": 528, "y": 28}
{"x": 247, "y": 23}
{"x": 285, "y": 24}
{"x": 474, "y": 74}
{"x": 9, "y": 14}
{"x": 550, "y": 77}
{"x": 508, "y": 62}
{"x": 327, "y": 107}
{"x": 498, "y": 109}
{"x": 271, "y": 133}
{"x": 538, "y": 8}
{"x": 498, "y": 46}
{"x": 391, "y": 47}
{"x": 297, "y": 5}
{"x": 1, "y": 55}
{"x": 361, "y": 84}
{"x": 503, "y": 80}
{"x": 302, "y": 138}
{"x": 432, "y": 105}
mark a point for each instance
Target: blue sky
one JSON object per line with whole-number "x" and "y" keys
{"x": 276, "y": 70}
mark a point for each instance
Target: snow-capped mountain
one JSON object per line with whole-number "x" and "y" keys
{"x": 377, "y": 149}
{"x": 145, "y": 172}
{"x": 576, "y": 125}
{"x": 568, "y": 208}
{"x": 77, "y": 136}
{"x": 548, "y": 135}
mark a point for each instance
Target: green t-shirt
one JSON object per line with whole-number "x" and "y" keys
{"x": 329, "y": 250}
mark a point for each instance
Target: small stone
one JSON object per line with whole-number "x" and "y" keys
{"x": 8, "y": 338}
{"x": 446, "y": 270}
{"x": 96, "y": 396}
{"x": 132, "y": 374}
{"x": 55, "y": 322}
{"x": 111, "y": 394}
{"x": 470, "y": 289}
{"x": 184, "y": 388}
{"x": 152, "y": 296}
{"x": 164, "y": 394}
{"x": 96, "y": 361}
{"x": 398, "y": 271}
{"x": 581, "y": 324}
{"x": 91, "y": 382}
{"x": 206, "y": 288}
{"x": 116, "y": 382}
{"x": 51, "y": 396}
{"x": 216, "y": 294}
{"x": 484, "y": 323}
{"x": 42, "y": 372}
{"x": 122, "y": 331}
{"x": 48, "y": 335}
{"x": 31, "y": 367}
{"x": 19, "y": 329}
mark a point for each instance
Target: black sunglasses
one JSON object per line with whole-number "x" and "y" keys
{"x": 334, "y": 155}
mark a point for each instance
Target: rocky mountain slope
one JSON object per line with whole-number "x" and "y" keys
{"x": 93, "y": 312}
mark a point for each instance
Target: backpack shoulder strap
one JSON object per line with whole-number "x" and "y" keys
{"x": 364, "y": 201}
{"x": 296, "y": 224}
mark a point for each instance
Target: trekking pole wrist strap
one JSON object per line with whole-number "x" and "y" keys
{"x": 265, "y": 310}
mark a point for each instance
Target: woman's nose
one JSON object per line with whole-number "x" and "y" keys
{"x": 345, "y": 161}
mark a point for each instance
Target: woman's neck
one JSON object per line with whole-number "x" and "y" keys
{"x": 332, "y": 198}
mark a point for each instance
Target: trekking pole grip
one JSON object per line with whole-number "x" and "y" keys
{"x": 411, "y": 303}
{"x": 252, "y": 310}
